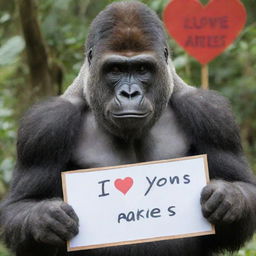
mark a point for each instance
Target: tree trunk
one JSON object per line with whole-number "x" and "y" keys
{"x": 42, "y": 83}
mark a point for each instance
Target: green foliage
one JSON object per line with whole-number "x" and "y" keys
{"x": 65, "y": 24}
{"x": 7, "y": 130}
{"x": 10, "y": 50}
{"x": 249, "y": 250}
{"x": 9, "y": 57}
{"x": 4, "y": 251}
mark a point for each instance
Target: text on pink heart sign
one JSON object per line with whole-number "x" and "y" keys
{"x": 204, "y": 31}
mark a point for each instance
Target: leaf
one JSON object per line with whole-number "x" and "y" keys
{"x": 5, "y": 17}
{"x": 6, "y": 168}
{"x": 180, "y": 61}
{"x": 10, "y": 50}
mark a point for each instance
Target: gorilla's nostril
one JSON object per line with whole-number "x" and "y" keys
{"x": 135, "y": 94}
{"x": 129, "y": 95}
{"x": 125, "y": 94}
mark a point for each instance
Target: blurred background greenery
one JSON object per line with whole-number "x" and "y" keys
{"x": 42, "y": 44}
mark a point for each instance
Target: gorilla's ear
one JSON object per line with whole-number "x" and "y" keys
{"x": 76, "y": 92}
{"x": 166, "y": 54}
{"x": 89, "y": 54}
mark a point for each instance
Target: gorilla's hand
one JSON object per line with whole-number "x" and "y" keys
{"x": 52, "y": 222}
{"x": 222, "y": 202}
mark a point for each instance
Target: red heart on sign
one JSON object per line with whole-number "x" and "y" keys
{"x": 124, "y": 185}
{"x": 204, "y": 31}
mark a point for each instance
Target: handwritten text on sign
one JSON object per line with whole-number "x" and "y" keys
{"x": 204, "y": 31}
{"x": 137, "y": 203}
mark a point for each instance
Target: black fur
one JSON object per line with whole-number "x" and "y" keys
{"x": 208, "y": 120}
{"x": 45, "y": 141}
{"x": 115, "y": 17}
{"x": 36, "y": 178}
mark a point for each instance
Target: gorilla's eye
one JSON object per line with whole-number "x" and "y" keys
{"x": 142, "y": 69}
{"x": 115, "y": 69}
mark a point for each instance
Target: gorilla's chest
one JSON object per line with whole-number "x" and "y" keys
{"x": 97, "y": 148}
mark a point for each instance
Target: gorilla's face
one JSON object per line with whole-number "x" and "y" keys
{"x": 128, "y": 91}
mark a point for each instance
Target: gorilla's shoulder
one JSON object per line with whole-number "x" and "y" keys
{"x": 203, "y": 100}
{"x": 47, "y": 127}
{"x": 55, "y": 111}
{"x": 207, "y": 117}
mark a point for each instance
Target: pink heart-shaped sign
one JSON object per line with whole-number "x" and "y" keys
{"x": 124, "y": 185}
{"x": 204, "y": 31}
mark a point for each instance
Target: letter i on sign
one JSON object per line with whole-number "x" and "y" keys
{"x": 204, "y": 31}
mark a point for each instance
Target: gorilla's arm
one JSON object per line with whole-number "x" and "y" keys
{"x": 229, "y": 201}
{"x": 28, "y": 215}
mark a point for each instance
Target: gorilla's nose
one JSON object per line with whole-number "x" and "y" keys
{"x": 130, "y": 92}
{"x": 129, "y": 95}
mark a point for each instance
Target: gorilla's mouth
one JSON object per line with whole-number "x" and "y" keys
{"x": 130, "y": 114}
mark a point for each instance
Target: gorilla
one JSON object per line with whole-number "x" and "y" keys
{"x": 127, "y": 105}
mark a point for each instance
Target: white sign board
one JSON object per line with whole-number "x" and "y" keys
{"x": 137, "y": 203}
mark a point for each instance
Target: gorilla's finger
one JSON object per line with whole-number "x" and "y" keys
{"x": 51, "y": 238}
{"x": 65, "y": 220}
{"x": 212, "y": 203}
{"x": 218, "y": 214}
{"x": 206, "y": 193}
{"x": 70, "y": 211}
{"x": 229, "y": 217}
{"x": 233, "y": 215}
{"x": 61, "y": 230}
